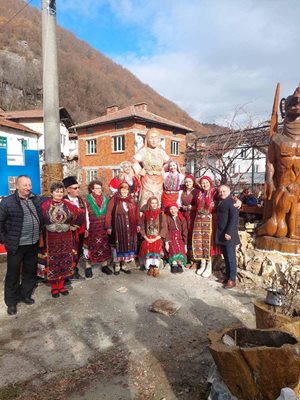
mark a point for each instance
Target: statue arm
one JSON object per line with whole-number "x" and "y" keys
{"x": 270, "y": 171}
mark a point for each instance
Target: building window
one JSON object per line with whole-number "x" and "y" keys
{"x": 91, "y": 147}
{"x": 118, "y": 143}
{"x": 256, "y": 168}
{"x": 24, "y": 145}
{"x": 116, "y": 172}
{"x": 91, "y": 174}
{"x": 3, "y": 141}
{"x": 244, "y": 154}
{"x": 174, "y": 148}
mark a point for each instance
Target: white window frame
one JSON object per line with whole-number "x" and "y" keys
{"x": 91, "y": 175}
{"x": 118, "y": 144}
{"x": 174, "y": 148}
{"x": 91, "y": 146}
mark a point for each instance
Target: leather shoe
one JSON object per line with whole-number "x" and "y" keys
{"x": 230, "y": 284}
{"x": 106, "y": 270}
{"x": 12, "y": 310}
{"x": 88, "y": 273}
{"x": 222, "y": 280}
{"x": 126, "y": 271}
{"x": 28, "y": 300}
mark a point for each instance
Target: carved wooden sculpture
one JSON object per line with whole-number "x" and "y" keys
{"x": 282, "y": 187}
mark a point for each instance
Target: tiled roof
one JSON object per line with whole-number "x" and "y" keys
{"x": 18, "y": 127}
{"x": 23, "y": 114}
{"x": 37, "y": 114}
{"x": 132, "y": 112}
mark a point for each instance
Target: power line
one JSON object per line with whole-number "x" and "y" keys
{"x": 14, "y": 16}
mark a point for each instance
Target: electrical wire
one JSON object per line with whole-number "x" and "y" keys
{"x": 14, "y": 16}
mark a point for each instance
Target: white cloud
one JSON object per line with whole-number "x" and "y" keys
{"x": 213, "y": 56}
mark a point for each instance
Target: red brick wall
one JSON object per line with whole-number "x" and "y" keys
{"x": 106, "y": 157}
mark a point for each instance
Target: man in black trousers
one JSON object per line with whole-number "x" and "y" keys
{"x": 20, "y": 220}
{"x": 227, "y": 234}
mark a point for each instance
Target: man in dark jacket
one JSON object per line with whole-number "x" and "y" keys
{"x": 20, "y": 216}
{"x": 227, "y": 234}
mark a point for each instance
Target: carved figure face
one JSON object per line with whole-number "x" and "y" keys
{"x": 153, "y": 139}
{"x": 292, "y": 105}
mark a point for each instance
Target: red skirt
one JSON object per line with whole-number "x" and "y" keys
{"x": 177, "y": 248}
{"x": 150, "y": 250}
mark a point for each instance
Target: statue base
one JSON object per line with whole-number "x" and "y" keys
{"x": 284, "y": 245}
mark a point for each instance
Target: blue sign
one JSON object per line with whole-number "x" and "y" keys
{"x": 31, "y": 168}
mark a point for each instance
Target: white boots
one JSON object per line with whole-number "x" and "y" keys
{"x": 205, "y": 269}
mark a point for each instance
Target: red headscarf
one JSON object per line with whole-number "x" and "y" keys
{"x": 149, "y": 213}
{"x": 180, "y": 216}
{"x": 208, "y": 196}
{"x": 190, "y": 176}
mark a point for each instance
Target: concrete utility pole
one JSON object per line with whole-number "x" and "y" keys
{"x": 52, "y": 170}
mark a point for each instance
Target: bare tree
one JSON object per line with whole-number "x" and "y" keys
{"x": 220, "y": 152}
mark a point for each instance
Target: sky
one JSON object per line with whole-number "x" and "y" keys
{"x": 219, "y": 60}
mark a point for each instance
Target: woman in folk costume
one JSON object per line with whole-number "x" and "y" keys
{"x": 173, "y": 181}
{"x": 96, "y": 246}
{"x": 176, "y": 239}
{"x": 153, "y": 230}
{"x": 126, "y": 175}
{"x": 62, "y": 220}
{"x": 204, "y": 227}
{"x": 188, "y": 201}
{"x": 123, "y": 224}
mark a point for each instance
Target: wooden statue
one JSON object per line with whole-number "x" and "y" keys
{"x": 282, "y": 187}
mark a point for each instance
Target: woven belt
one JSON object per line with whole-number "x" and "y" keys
{"x": 58, "y": 227}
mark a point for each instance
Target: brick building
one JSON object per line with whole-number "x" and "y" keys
{"x": 104, "y": 142}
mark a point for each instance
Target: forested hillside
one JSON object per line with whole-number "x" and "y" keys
{"x": 88, "y": 81}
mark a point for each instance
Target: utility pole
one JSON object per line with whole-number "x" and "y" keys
{"x": 52, "y": 170}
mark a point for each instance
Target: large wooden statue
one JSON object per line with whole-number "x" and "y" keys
{"x": 282, "y": 187}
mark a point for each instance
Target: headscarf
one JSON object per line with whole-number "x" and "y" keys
{"x": 190, "y": 176}
{"x": 208, "y": 197}
{"x": 128, "y": 199}
{"x": 208, "y": 179}
{"x": 180, "y": 216}
{"x": 149, "y": 213}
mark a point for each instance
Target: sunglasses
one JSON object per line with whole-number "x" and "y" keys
{"x": 74, "y": 188}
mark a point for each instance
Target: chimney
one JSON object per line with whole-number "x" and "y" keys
{"x": 141, "y": 106}
{"x": 112, "y": 109}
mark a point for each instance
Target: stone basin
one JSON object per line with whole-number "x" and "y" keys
{"x": 256, "y": 364}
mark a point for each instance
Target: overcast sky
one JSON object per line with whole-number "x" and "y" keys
{"x": 211, "y": 57}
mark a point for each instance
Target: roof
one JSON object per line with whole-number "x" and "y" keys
{"x": 18, "y": 127}
{"x": 37, "y": 114}
{"x": 135, "y": 113}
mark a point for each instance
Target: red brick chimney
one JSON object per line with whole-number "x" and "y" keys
{"x": 141, "y": 106}
{"x": 112, "y": 109}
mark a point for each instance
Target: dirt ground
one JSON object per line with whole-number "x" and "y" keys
{"x": 102, "y": 342}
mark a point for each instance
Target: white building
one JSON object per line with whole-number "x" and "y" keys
{"x": 34, "y": 119}
{"x": 16, "y": 138}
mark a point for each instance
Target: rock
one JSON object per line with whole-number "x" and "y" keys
{"x": 166, "y": 307}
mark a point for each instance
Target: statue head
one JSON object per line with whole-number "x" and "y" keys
{"x": 153, "y": 138}
{"x": 292, "y": 105}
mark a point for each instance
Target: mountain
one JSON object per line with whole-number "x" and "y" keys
{"x": 88, "y": 81}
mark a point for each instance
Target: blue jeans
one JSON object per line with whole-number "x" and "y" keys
{"x": 230, "y": 261}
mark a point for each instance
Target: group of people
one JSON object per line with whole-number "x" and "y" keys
{"x": 153, "y": 213}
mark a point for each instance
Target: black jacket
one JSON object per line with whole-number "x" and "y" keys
{"x": 11, "y": 220}
{"x": 227, "y": 222}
